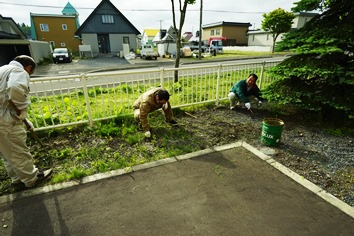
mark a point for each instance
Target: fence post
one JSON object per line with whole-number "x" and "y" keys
{"x": 218, "y": 85}
{"x": 161, "y": 76}
{"x": 261, "y": 75}
{"x": 87, "y": 98}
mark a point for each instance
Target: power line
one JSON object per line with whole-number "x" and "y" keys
{"x": 141, "y": 10}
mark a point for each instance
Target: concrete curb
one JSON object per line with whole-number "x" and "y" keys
{"x": 304, "y": 182}
{"x": 286, "y": 171}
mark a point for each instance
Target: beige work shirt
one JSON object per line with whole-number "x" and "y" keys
{"x": 146, "y": 104}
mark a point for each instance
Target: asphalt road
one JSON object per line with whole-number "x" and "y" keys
{"x": 99, "y": 64}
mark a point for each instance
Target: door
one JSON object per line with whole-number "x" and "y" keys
{"x": 103, "y": 43}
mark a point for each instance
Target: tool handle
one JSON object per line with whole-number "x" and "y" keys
{"x": 18, "y": 112}
{"x": 25, "y": 121}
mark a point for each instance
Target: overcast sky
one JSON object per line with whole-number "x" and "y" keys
{"x": 154, "y": 14}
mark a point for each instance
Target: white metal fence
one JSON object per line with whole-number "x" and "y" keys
{"x": 86, "y": 98}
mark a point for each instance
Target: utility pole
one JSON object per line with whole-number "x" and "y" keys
{"x": 160, "y": 23}
{"x": 200, "y": 31}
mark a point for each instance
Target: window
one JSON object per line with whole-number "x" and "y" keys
{"x": 64, "y": 27}
{"x": 107, "y": 19}
{"x": 126, "y": 40}
{"x": 52, "y": 43}
{"x": 212, "y": 32}
{"x": 62, "y": 44}
{"x": 217, "y": 32}
{"x": 44, "y": 27}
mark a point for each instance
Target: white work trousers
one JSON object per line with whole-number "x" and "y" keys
{"x": 15, "y": 153}
{"x": 233, "y": 99}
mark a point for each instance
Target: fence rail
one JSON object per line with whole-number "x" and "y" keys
{"x": 86, "y": 98}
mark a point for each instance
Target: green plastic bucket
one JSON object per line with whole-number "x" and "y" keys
{"x": 271, "y": 131}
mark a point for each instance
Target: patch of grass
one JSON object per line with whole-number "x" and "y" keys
{"x": 338, "y": 132}
{"x": 238, "y": 53}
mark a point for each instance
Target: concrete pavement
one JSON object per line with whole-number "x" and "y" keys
{"x": 228, "y": 190}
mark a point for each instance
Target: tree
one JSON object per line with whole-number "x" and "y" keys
{"x": 182, "y": 10}
{"x": 25, "y": 28}
{"x": 320, "y": 76}
{"x": 311, "y": 5}
{"x": 277, "y": 22}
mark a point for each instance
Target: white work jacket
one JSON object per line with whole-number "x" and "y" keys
{"x": 14, "y": 84}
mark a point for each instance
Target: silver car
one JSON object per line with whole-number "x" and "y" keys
{"x": 62, "y": 55}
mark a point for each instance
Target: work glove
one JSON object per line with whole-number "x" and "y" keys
{"x": 148, "y": 134}
{"x": 248, "y": 105}
{"x": 165, "y": 106}
{"x": 30, "y": 125}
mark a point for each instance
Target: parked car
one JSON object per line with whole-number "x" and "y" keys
{"x": 62, "y": 55}
{"x": 194, "y": 46}
{"x": 147, "y": 52}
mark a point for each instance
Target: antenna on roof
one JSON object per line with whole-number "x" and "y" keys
{"x": 160, "y": 23}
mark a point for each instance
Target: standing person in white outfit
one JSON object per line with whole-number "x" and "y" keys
{"x": 14, "y": 85}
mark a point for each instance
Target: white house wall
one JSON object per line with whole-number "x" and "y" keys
{"x": 40, "y": 50}
{"x": 163, "y": 48}
{"x": 299, "y": 22}
{"x": 116, "y": 42}
{"x": 262, "y": 39}
{"x": 91, "y": 39}
{"x": 144, "y": 39}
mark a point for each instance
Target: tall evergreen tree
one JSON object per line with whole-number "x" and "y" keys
{"x": 320, "y": 76}
{"x": 25, "y": 28}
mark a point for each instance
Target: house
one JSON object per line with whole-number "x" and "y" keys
{"x": 187, "y": 36}
{"x": 163, "y": 35}
{"x": 263, "y": 38}
{"x": 106, "y": 30}
{"x": 57, "y": 29}
{"x": 13, "y": 42}
{"x": 149, "y": 35}
{"x": 166, "y": 41}
{"x": 235, "y": 32}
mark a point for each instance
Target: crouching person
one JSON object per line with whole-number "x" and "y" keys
{"x": 14, "y": 85}
{"x": 245, "y": 92}
{"x": 150, "y": 101}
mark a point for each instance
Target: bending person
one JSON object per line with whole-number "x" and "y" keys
{"x": 244, "y": 91}
{"x": 14, "y": 85}
{"x": 150, "y": 101}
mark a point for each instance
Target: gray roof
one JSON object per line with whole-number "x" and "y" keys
{"x": 226, "y": 23}
{"x": 8, "y": 34}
